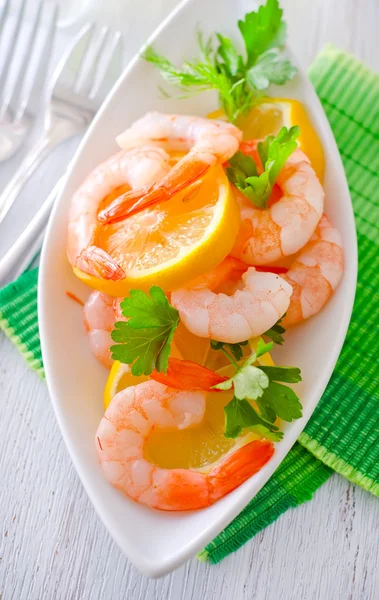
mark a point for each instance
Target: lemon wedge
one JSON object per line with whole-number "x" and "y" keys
{"x": 174, "y": 241}
{"x": 196, "y": 447}
{"x": 120, "y": 377}
{"x": 269, "y": 115}
{"x": 200, "y": 447}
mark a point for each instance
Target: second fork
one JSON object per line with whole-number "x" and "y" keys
{"x": 18, "y": 106}
{"x": 78, "y": 88}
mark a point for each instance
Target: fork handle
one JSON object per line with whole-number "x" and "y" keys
{"x": 27, "y": 245}
{"x": 56, "y": 134}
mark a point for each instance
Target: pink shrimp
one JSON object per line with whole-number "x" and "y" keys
{"x": 256, "y": 305}
{"x": 315, "y": 273}
{"x": 132, "y": 169}
{"x": 228, "y": 270}
{"x": 206, "y": 142}
{"x": 100, "y": 314}
{"x": 287, "y": 225}
{"x": 123, "y": 431}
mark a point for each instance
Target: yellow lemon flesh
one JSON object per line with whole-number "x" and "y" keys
{"x": 200, "y": 446}
{"x": 270, "y": 114}
{"x": 190, "y": 346}
{"x": 174, "y": 241}
{"x": 194, "y": 447}
{"x": 120, "y": 378}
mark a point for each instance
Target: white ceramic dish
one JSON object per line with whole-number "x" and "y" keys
{"x": 157, "y": 542}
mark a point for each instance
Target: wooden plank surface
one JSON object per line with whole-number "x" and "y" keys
{"x": 52, "y": 545}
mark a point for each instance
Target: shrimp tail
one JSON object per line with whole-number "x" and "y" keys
{"x": 97, "y": 262}
{"x": 179, "y": 492}
{"x": 135, "y": 201}
{"x": 188, "y": 375}
{"x": 239, "y": 466}
{"x": 182, "y": 492}
{"x": 129, "y": 204}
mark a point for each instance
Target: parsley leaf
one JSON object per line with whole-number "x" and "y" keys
{"x": 282, "y": 400}
{"x": 144, "y": 341}
{"x": 248, "y": 381}
{"x": 266, "y": 412}
{"x": 227, "y": 57}
{"x": 263, "y": 431}
{"x": 286, "y": 374}
{"x": 235, "y": 349}
{"x": 239, "y": 414}
{"x": 276, "y": 332}
{"x": 239, "y": 79}
{"x": 241, "y": 166}
{"x": 260, "y": 383}
{"x": 273, "y": 153}
{"x": 269, "y": 68}
{"x": 262, "y": 30}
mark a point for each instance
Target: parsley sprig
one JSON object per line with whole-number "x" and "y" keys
{"x": 239, "y": 78}
{"x": 235, "y": 349}
{"x": 275, "y": 333}
{"x": 273, "y": 153}
{"x": 261, "y": 384}
{"x": 144, "y": 341}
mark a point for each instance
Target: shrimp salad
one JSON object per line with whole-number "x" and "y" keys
{"x": 204, "y": 238}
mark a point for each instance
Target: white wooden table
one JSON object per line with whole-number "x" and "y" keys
{"x": 52, "y": 545}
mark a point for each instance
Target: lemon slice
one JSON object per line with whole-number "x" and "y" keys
{"x": 197, "y": 447}
{"x": 171, "y": 242}
{"x": 270, "y": 114}
{"x": 200, "y": 447}
{"x": 120, "y": 377}
{"x": 190, "y": 346}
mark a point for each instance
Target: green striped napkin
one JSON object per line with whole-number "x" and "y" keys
{"x": 343, "y": 433}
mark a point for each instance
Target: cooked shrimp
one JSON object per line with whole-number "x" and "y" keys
{"x": 315, "y": 273}
{"x": 136, "y": 168}
{"x": 125, "y": 428}
{"x": 286, "y": 226}
{"x": 262, "y": 299}
{"x": 206, "y": 142}
{"x": 100, "y": 314}
{"x": 228, "y": 270}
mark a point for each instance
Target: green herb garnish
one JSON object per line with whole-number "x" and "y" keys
{"x": 248, "y": 381}
{"x": 260, "y": 383}
{"x": 239, "y": 79}
{"x": 144, "y": 341}
{"x": 239, "y": 414}
{"x": 275, "y": 333}
{"x": 235, "y": 349}
{"x": 273, "y": 153}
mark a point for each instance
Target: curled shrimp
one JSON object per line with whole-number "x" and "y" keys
{"x": 100, "y": 314}
{"x": 256, "y": 305}
{"x": 134, "y": 168}
{"x": 125, "y": 428}
{"x": 315, "y": 273}
{"x": 228, "y": 270}
{"x": 206, "y": 142}
{"x": 287, "y": 225}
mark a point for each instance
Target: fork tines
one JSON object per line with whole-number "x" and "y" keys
{"x": 26, "y": 53}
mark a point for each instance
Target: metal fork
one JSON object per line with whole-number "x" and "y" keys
{"x": 79, "y": 86}
{"x": 18, "y": 107}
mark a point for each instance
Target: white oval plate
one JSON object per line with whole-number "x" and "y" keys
{"x": 157, "y": 542}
